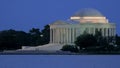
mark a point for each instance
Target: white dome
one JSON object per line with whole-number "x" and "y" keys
{"x": 88, "y": 12}
{"x": 89, "y": 16}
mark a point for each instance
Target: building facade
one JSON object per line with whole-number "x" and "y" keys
{"x": 86, "y": 20}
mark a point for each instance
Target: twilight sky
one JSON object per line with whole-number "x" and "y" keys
{"x": 25, "y": 14}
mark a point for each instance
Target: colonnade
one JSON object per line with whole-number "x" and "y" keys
{"x": 62, "y": 35}
{"x": 68, "y": 35}
{"x": 105, "y": 31}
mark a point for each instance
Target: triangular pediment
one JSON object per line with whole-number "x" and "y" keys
{"x": 59, "y": 22}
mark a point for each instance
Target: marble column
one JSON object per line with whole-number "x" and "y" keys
{"x": 102, "y": 31}
{"x": 70, "y": 35}
{"x": 50, "y": 35}
{"x": 111, "y": 32}
{"x": 93, "y": 31}
{"x": 88, "y": 30}
{"x": 67, "y": 34}
{"x": 57, "y": 35}
{"x": 53, "y": 35}
{"x": 114, "y": 31}
{"x": 60, "y": 36}
{"x": 63, "y": 35}
{"x": 106, "y": 31}
{"x": 73, "y": 35}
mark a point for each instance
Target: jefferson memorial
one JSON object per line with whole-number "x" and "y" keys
{"x": 85, "y": 20}
{"x": 66, "y": 32}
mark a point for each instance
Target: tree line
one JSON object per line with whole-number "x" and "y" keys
{"x": 12, "y": 39}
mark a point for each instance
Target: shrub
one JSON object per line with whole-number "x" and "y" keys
{"x": 71, "y": 48}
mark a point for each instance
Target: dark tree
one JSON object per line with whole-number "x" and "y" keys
{"x": 22, "y": 38}
{"x": 39, "y": 38}
{"x": 101, "y": 41}
{"x": 46, "y": 34}
{"x": 8, "y": 40}
{"x": 117, "y": 40}
{"x": 34, "y": 31}
{"x": 35, "y": 37}
{"x": 86, "y": 40}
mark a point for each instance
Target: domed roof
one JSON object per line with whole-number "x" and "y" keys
{"x": 88, "y": 12}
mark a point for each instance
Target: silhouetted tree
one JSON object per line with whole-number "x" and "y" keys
{"x": 22, "y": 38}
{"x": 92, "y": 42}
{"x": 8, "y": 40}
{"x": 85, "y": 40}
{"x": 34, "y": 31}
{"x": 35, "y": 37}
{"x": 39, "y": 38}
{"x": 117, "y": 40}
{"x": 45, "y": 34}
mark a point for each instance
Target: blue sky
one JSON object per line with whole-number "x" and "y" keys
{"x": 25, "y": 14}
{"x": 59, "y": 61}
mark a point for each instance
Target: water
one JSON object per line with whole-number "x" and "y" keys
{"x": 59, "y": 61}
